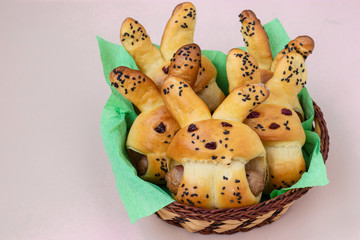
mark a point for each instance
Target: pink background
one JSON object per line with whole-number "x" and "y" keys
{"x": 55, "y": 179}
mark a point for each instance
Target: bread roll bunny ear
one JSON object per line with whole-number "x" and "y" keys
{"x": 288, "y": 80}
{"x": 241, "y": 69}
{"x": 256, "y": 39}
{"x": 207, "y": 73}
{"x": 137, "y": 43}
{"x": 186, "y": 63}
{"x": 206, "y": 86}
{"x": 179, "y": 30}
{"x": 198, "y": 71}
{"x": 241, "y": 101}
{"x": 182, "y": 102}
{"x": 303, "y": 45}
{"x": 137, "y": 88}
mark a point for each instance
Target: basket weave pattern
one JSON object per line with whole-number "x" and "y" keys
{"x": 229, "y": 221}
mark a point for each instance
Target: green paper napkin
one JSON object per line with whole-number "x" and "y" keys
{"x": 142, "y": 198}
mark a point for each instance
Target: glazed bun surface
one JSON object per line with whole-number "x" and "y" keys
{"x": 282, "y": 134}
{"x": 215, "y": 141}
{"x": 276, "y": 123}
{"x": 255, "y": 38}
{"x": 155, "y": 126}
{"x": 216, "y": 155}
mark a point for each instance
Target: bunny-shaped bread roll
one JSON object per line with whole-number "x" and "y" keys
{"x": 277, "y": 124}
{"x": 282, "y": 134}
{"x": 155, "y": 63}
{"x": 214, "y": 163}
{"x": 275, "y": 121}
{"x": 153, "y": 130}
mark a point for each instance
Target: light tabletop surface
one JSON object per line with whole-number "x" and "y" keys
{"x": 55, "y": 178}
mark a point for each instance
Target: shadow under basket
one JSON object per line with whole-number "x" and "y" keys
{"x": 232, "y": 220}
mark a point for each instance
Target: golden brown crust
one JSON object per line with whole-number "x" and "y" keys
{"x": 298, "y": 109}
{"x": 159, "y": 74}
{"x": 276, "y": 123}
{"x": 215, "y": 140}
{"x": 186, "y": 63}
{"x": 137, "y": 43}
{"x": 241, "y": 69}
{"x": 207, "y": 72}
{"x": 152, "y": 131}
{"x": 232, "y": 188}
{"x": 215, "y": 154}
{"x": 212, "y": 95}
{"x": 206, "y": 86}
{"x": 150, "y": 135}
{"x": 182, "y": 102}
{"x": 179, "y": 30}
{"x": 136, "y": 87}
{"x": 289, "y": 78}
{"x": 157, "y": 168}
{"x": 303, "y": 45}
{"x": 215, "y": 186}
{"x": 266, "y": 75}
{"x": 241, "y": 101}
{"x": 256, "y": 39}
{"x": 195, "y": 188}
{"x": 307, "y": 42}
{"x": 281, "y": 132}
{"x": 286, "y": 164}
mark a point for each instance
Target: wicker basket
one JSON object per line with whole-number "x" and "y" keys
{"x": 229, "y": 221}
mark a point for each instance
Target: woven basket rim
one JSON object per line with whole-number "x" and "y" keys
{"x": 276, "y": 203}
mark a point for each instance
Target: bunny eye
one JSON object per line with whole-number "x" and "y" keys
{"x": 286, "y": 111}
{"x": 226, "y": 124}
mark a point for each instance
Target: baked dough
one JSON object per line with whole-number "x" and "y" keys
{"x": 241, "y": 69}
{"x": 282, "y": 134}
{"x": 219, "y": 156}
{"x": 256, "y": 39}
{"x": 154, "y": 63}
{"x": 154, "y": 128}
